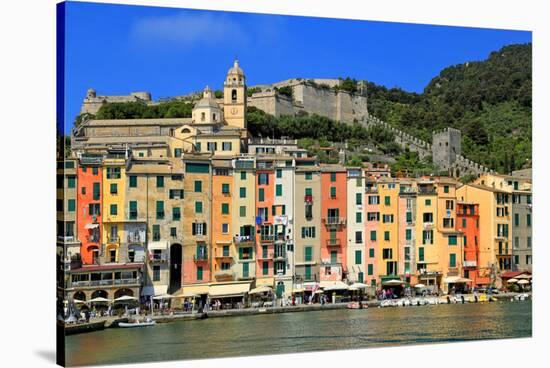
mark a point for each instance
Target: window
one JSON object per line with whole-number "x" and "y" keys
{"x": 243, "y": 175}
{"x": 308, "y": 253}
{"x": 308, "y": 176}
{"x": 452, "y": 260}
{"x": 279, "y": 190}
{"x": 528, "y": 220}
{"x": 199, "y": 273}
{"x": 463, "y": 223}
{"x": 113, "y": 210}
{"x": 71, "y": 205}
{"x": 133, "y": 212}
{"x": 242, "y": 192}
{"x": 307, "y": 275}
{"x": 174, "y": 232}
{"x": 374, "y": 199}
{"x": 370, "y": 269}
{"x": 176, "y": 213}
{"x": 449, "y": 205}
{"x": 358, "y": 198}
{"x": 386, "y": 235}
{"x": 407, "y": 253}
{"x": 177, "y": 152}
{"x": 113, "y": 173}
{"x": 279, "y": 173}
{"x": 160, "y": 181}
{"x": 333, "y": 192}
{"x": 212, "y": 146}
{"x": 448, "y": 223}
{"x": 225, "y": 228}
{"x": 387, "y": 200}
{"x": 516, "y": 242}
{"x": 198, "y": 228}
{"x": 160, "y": 210}
{"x": 528, "y": 242}
{"x": 96, "y": 191}
{"x": 225, "y": 188}
{"x": 176, "y": 193}
{"x": 358, "y": 237}
{"x": 71, "y": 182}
{"x": 198, "y": 186}
{"x": 358, "y": 257}
{"x": 156, "y": 232}
{"x": 428, "y": 202}
{"x": 263, "y": 179}
{"x": 446, "y": 189}
{"x": 308, "y": 232}
{"x": 358, "y": 217}
{"x": 373, "y": 235}
{"x": 226, "y": 146}
{"x": 265, "y": 268}
{"x": 156, "y": 273}
{"x": 409, "y": 217}
{"x": 261, "y": 194}
{"x": 373, "y": 216}
{"x": 198, "y": 207}
{"x": 242, "y": 211}
{"x": 452, "y": 240}
{"x": 516, "y": 219}
{"x": 528, "y": 259}
{"x": 428, "y": 217}
{"x": 427, "y": 236}
{"x": 371, "y": 252}
{"x": 83, "y": 190}
{"x": 95, "y": 170}
{"x": 114, "y": 188}
{"x": 225, "y": 208}
{"x": 133, "y": 181}
{"x": 387, "y": 218}
{"x": 94, "y": 209}
{"x": 333, "y": 176}
{"x": 465, "y": 240}
{"x": 387, "y": 253}
{"x": 408, "y": 234}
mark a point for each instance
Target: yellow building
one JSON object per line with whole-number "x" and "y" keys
{"x": 387, "y": 254}
{"x": 114, "y": 185}
{"x": 234, "y": 98}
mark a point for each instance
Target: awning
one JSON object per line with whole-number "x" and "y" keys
{"x": 163, "y": 297}
{"x": 393, "y": 282}
{"x": 512, "y": 280}
{"x": 125, "y": 298}
{"x": 90, "y": 226}
{"x": 147, "y": 291}
{"x": 523, "y": 276}
{"x": 334, "y": 285}
{"x": 261, "y": 289}
{"x": 163, "y": 244}
{"x": 359, "y": 285}
{"x": 298, "y": 290}
{"x": 228, "y": 290}
{"x": 456, "y": 280}
{"x": 160, "y": 289}
{"x": 99, "y": 300}
{"x": 523, "y": 282}
{"x": 190, "y": 291}
{"x": 268, "y": 281}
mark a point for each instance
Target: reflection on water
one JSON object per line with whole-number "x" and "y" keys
{"x": 300, "y": 332}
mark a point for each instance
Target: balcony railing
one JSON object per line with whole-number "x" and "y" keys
{"x": 92, "y": 238}
{"x": 223, "y": 255}
{"x": 333, "y": 243}
{"x": 470, "y": 263}
{"x": 225, "y": 274}
{"x": 201, "y": 257}
{"x": 426, "y": 191}
{"x": 267, "y": 237}
{"x": 265, "y": 256}
{"x": 334, "y": 221}
{"x": 159, "y": 258}
{"x": 244, "y": 240}
{"x": 113, "y": 239}
{"x": 135, "y": 238}
{"x": 279, "y": 256}
{"x": 108, "y": 282}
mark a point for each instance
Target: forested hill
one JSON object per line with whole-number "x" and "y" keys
{"x": 489, "y": 101}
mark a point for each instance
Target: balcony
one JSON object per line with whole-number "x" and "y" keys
{"x": 223, "y": 256}
{"x": 244, "y": 240}
{"x": 334, "y": 243}
{"x": 426, "y": 191}
{"x": 108, "y": 282}
{"x": 267, "y": 256}
{"x": 371, "y": 189}
{"x": 224, "y": 275}
{"x": 453, "y": 271}
{"x": 428, "y": 226}
{"x": 470, "y": 263}
{"x": 281, "y": 256}
{"x": 334, "y": 221}
{"x": 113, "y": 239}
{"x": 280, "y": 238}
{"x": 92, "y": 238}
{"x": 159, "y": 258}
{"x": 199, "y": 258}
{"x": 135, "y": 238}
{"x": 267, "y": 238}
{"x": 68, "y": 239}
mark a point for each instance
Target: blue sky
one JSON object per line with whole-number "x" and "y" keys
{"x": 117, "y": 49}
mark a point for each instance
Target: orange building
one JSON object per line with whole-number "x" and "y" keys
{"x": 333, "y": 218}
{"x": 467, "y": 217}
{"x": 89, "y": 193}
{"x": 265, "y": 237}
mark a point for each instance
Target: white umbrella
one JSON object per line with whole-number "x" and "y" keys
{"x": 523, "y": 282}
{"x": 420, "y": 286}
{"x": 164, "y": 296}
{"x": 353, "y": 288}
{"x": 523, "y": 276}
{"x": 359, "y": 285}
{"x": 512, "y": 280}
{"x": 393, "y": 283}
{"x": 124, "y": 298}
{"x": 99, "y": 299}
{"x": 78, "y": 301}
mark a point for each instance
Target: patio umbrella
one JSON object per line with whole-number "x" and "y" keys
{"x": 163, "y": 296}
{"x": 512, "y": 280}
{"x": 261, "y": 289}
{"x": 393, "y": 283}
{"x": 99, "y": 299}
{"x": 125, "y": 298}
{"x": 523, "y": 282}
{"x": 420, "y": 286}
{"x": 78, "y": 301}
{"x": 359, "y": 285}
{"x": 353, "y": 288}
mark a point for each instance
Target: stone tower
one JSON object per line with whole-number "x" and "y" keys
{"x": 446, "y": 147}
{"x": 234, "y": 97}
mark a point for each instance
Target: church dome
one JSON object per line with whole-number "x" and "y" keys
{"x": 236, "y": 69}
{"x": 207, "y": 99}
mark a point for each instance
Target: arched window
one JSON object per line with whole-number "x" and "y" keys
{"x": 186, "y": 130}
{"x": 233, "y": 95}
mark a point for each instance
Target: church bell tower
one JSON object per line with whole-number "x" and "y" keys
{"x": 234, "y": 97}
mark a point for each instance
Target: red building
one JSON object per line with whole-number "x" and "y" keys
{"x": 265, "y": 234}
{"x": 333, "y": 223}
{"x": 467, "y": 216}
{"x": 89, "y": 211}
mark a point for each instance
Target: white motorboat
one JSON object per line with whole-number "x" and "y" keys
{"x": 137, "y": 323}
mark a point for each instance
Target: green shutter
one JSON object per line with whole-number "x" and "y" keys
{"x": 225, "y": 188}
{"x": 332, "y": 176}
{"x": 279, "y": 190}
{"x": 176, "y": 213}
{"x": 358, "y": 257}
{"x": 370, "y": 269}
{"x": 308, "y": 272}
{"x": 160, "y": 181}
{"x": 371, "y": 252}
{"x": 452, "y": 240}
{"x": 71, "y": 182}
{"x": 308, "y": 255}
{"x": 96, "y": 191}
{"x": 242, "y": 192}
{"x": 71, "y": 205}
{"x": 421, "y": 254}
{"x": 452, "y": 260}
{"x": 333, "y": 192}
{"x": 387, "y": 200}
{"x": 133, "y": 181}
{"x": 386, "y": 235}
{"x": 197, "y": 168}
{"x": 309, "y": 192}
{"x": 198, "y": 207}
{"x": 133, "y": 210}
{"x": 198, "y": 186}
{"x": 408, "y": 234}
{"x": 246, "y": 268}
{"x": 243, "y": 175}
{"x": 308, "y": 176}
{"x": 373, "y": 235}
{"x": 446, "y": 189}
{"x": 114, "y": 210}
{"x": 265, "y": 268}
{"x": 358, "y": 198}
{"x": 279, "y": 173}
{"x": 199, "y": 273}
{"x": 242, "y": 211}
{"x": 261, "y": 194}
{"x": 361, "y": 277}
{"x": 358, "y": 217}
{"x": 409, "y": 216}
{"x": 225, "y": 208}
{"x": 114, "y": 188}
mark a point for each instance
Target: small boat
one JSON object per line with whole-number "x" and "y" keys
{"x": 137, "y": 323}
{"x": 355, "y": 305}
